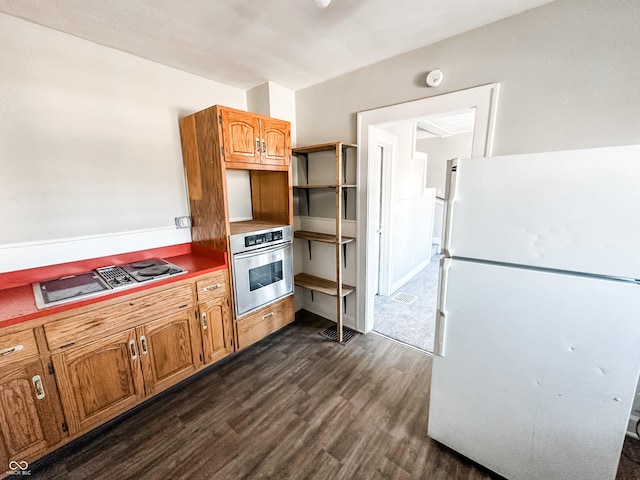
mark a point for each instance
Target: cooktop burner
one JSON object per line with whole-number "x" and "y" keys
{"x": 154, "y": 271}
{"x": 144, "y": 263}
{"x": 101, "y": 281}
{"x": 151, "y": 269}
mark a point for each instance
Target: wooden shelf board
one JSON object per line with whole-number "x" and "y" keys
{"x": 317, "y": 284}
{"x": 247, "y": 226}
{"x": 322, "y": 147}
{"x": 320, "y": 237}
{"x": 324, "y": 186}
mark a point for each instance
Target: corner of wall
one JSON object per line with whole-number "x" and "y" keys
{"x": 258, "y": 99}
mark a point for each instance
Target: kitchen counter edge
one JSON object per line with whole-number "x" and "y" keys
{"x": 18, "y": 307}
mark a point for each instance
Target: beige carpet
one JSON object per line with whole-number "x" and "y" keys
{"x": 414, "y": 323}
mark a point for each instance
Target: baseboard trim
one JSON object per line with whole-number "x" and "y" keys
{"x": 329, "y": 314}
{"x": 400, "y": 283}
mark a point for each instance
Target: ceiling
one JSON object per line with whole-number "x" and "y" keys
{"x": 246, "y": 42}
{"x": 446, "y": 125}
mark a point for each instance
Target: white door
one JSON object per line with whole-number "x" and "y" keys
{"x": 381, "y": 183}
{"x": 537, "y": 371}
{"x": 380, "y": 223}
{"x": 573, "y": 210}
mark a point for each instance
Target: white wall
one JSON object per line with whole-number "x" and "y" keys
{"x": 258, "y": 99}
{"x": 90, "y": 147}
{"x": 412, "y": 217}
{"x": 441, "y": 149}
{"x": 282, "y": 105}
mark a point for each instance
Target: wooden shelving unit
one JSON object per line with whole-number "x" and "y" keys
{"x": 334, "y": 288}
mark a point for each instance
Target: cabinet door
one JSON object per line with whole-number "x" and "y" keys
{"x": 215, "y": 323}
{"x": 28, "y": 423}
{"x": 276, "y": 141}
{"x": 241, "y": 136}
{"x": 169, "y": 350}
{"x": 99, "y": 380}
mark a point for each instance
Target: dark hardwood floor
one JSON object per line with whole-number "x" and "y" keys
{"x": 294, "y": 406}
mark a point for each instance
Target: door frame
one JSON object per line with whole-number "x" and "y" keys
{"x": 389, "y": 143}
{"x": 483, "y": 98}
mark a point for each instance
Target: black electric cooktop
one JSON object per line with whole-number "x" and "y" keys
{"x": 100, "y": 281}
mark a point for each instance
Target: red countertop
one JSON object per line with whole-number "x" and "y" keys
{"x": 17, "y": 303}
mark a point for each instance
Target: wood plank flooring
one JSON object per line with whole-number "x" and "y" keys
{"x": 294, "y": 406}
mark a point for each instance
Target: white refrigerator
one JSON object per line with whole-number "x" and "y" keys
{"x": 537, "y": 349}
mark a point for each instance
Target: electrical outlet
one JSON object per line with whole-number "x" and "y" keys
{"x": 183, "y": 222}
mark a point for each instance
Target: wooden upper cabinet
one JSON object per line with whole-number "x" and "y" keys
{"x": 253, "y": 139}
{"x": 29, "y": 425}
{"x": 99, "y": 380}
{"x": 241, "y": 136}
{"x": 276, "y": 138}
{"x": 169, "y": 350}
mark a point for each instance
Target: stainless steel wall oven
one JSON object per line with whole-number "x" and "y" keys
{"x": 262, "y": 263}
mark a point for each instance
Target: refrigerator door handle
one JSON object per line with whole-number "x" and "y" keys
{"x": 449, "y": 200}
{"x": 441, "y": 329}
{"x": 441, "y": 312}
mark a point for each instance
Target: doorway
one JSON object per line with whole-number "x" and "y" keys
{"x": 411, "y": 188}
{"x": 482, "y": 99}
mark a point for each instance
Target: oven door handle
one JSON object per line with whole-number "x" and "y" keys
{"x": 261, "y": 251}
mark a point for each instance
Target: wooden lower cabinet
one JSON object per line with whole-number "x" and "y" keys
{"x": 169, "y": 350}
{"x": 215, "y": 323}
{"x": 99, "y": 380}
{"x": 257, "y": 325}
{"x": 30, "y": 420}
{"x": 72, "y": 374}
{"x": 107, "y": 377}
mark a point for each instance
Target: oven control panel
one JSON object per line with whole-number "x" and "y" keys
{"x": 261, "y": 238}
{"x": 246, "y": 241}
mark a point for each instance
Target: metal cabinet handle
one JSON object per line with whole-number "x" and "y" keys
{"x": 204, "y": 321}
{"x": 37, "y": 384}
{"x": 257, "y": 145}
{"x": 270, "y": 314}
{"x": 212, "y": 287}
{"x": 7, "y": 351}
{"x": 143, "y": 343}
{"x": 264, "y": 147}
{"x": 132, "y": 349}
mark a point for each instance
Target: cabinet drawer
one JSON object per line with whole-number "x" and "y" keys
{"x": 265, "y": 321}
{"x": 213, "y": 287}
{"x": 117, "y": 317}
{"x": 17, "y": 346}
